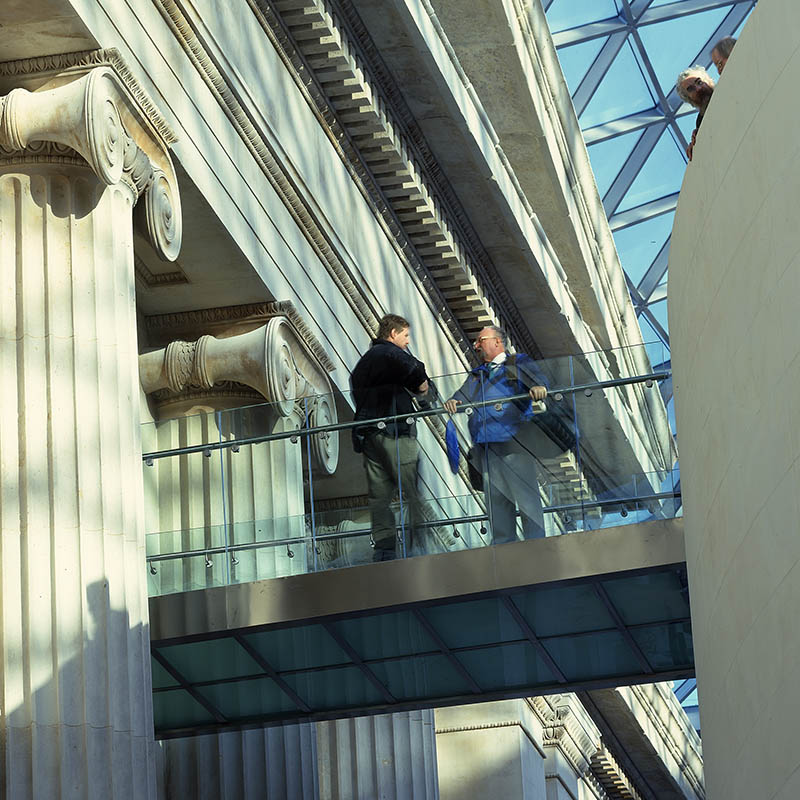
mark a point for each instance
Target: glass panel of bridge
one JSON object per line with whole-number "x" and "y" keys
{"x": 184, "y": 500}
{"x": 625, "y": 445}
{"x": 264, "y": 464}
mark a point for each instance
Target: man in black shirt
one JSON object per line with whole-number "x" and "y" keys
{"x": 384, "y": 382}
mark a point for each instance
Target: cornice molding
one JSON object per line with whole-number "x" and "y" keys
{"x": 385, "y": 87}
{"x": 562, "y": 728}
{"x": 156, "y": 279}
{"x": 608, "y": 773}
{"x": 510, "y": 723}
{"x": 320, "y": 104}
{"x": 209, "y": 71}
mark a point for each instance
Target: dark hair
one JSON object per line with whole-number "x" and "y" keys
{"x": 724, "y": 46}
{"x": 391, "y": 322}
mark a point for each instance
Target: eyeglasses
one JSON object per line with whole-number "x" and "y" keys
{"x": 483, "y": 338}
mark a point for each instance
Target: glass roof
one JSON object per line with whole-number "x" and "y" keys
{"x": 686, "y": 692}
{"x": 620, "y": 59}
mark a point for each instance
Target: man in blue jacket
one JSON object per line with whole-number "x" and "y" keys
{"x": 499, "y": 449}
{"x": 384, "y": 382}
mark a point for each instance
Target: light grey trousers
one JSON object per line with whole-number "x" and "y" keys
{"x": 510, "y": 482}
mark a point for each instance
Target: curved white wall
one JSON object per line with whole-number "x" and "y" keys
{"x": 735, "y": 323}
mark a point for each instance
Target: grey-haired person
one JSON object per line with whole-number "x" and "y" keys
{"x": 696, "y": 87}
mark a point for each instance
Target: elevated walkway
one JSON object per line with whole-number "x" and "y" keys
{"x": 566, "y": 613}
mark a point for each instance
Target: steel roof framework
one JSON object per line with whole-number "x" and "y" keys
{"x": 647, "y": 282}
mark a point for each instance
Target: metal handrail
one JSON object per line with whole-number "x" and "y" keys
{"x": 473, "y": 518}
{"x": 207, "y": 448}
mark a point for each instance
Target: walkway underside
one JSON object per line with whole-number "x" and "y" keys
{"x": 580, "y": 611}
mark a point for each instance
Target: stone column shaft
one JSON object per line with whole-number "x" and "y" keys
{"x": 390, "y": 756}
{"x": 75, "y": 687}
{"x": 267, "y": 764}
{"x": 75, "y": 638}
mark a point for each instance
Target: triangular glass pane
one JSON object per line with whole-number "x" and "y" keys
{"x": 674, "y": 44}
{"x": 741, "y": 25}
{"x": 576, "y": 60}
{"x": 565, "y": 14}
{"x": 673, "y": 426}
{"x": 687, "y": 125}
{"x": 611, "y": 100}
{"x": 653, "y": 343}
{"x": 675, "y": 138}
{"x": 639, "y": 244}
{"x": 607, "y": 158}
{"x": 659, "y": 311}
{"x": 660, "y": 176}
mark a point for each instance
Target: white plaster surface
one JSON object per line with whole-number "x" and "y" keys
{"x": 734, "y": 288}
{"x": 490, "y": 750}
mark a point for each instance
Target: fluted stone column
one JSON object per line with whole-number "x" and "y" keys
{"x": 264, "y": 764}
{"x": 390, "y": 756}
{"x": 76, "y": 717}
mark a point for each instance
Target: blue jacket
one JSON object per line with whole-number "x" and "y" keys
{"x": 487, "y": 424}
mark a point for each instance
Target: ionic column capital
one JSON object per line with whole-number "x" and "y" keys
{"x": 91, "y": 111}
{"x": 273, "y": 359}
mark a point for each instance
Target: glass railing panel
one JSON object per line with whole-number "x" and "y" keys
{"x": 335, "y": 485}
{"x": 521, "y": 445}
{"x": 621, "y": 429}
{"x": 343, "y": 537}
{"x": 185, "y": 505}
{"x": 269, "y": 530}
{"x": 454, "y": 522}
{"x": 270, "y": 548}
{"x": 187, "y": 559}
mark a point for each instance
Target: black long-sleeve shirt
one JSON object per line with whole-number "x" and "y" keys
{"x": 383, "y": 382}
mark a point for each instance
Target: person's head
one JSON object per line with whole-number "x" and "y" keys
{"x": 394, "y": 329}
{"x": 721, "y": 51}
{"x": 490, "y": 342}
{"x": 695, "y": 86}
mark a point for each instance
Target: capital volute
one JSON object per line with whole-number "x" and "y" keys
{"x": 89, "y": 109}
{"x": 272, "y": 359}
